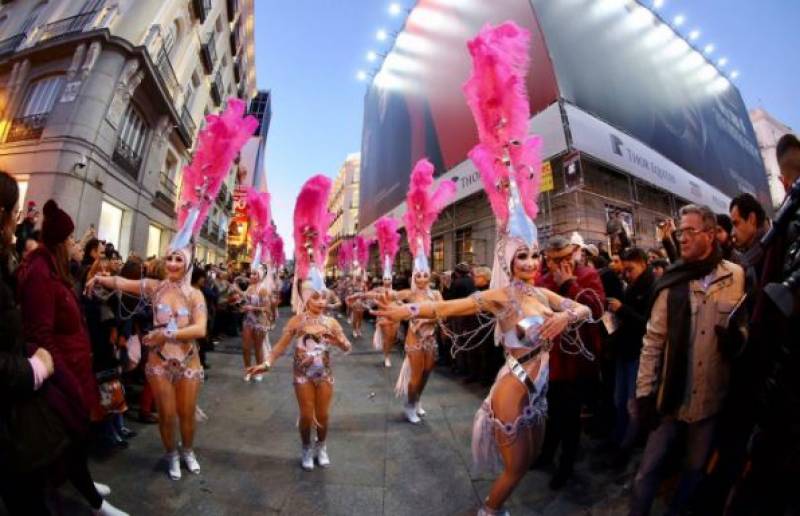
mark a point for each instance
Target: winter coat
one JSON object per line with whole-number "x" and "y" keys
{"x": 633, "y": 315}
{"x": 53, "y": 320}
{"x": 709, "y": 371}
{"x": 586, "y": 289}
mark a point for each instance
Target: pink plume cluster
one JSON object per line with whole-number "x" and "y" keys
{"x": 388, "y": 237}
{"x": 217, "y": 145}
{"x": 311, "y": 221}
{"x": 362, "y": 251}
{"x": 260, "y": 215}
{"x": 275, "y": 250}
{"x": 423, "y": 206}
{"x": 497, "y": 95}
{"x": 346, "y": 255}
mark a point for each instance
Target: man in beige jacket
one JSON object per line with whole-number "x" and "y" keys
{"x": 682, "y": 374}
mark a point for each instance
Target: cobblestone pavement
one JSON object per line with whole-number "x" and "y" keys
{"x": 381, "y": 465}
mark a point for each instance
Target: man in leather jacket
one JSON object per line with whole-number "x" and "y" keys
{"x": 769, "y": 483}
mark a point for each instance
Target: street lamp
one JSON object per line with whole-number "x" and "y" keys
{"x": 734, "y": 74}
{"x": 371, "y": 56}
{"x": 395, "y": 9}
{"x": 658, "y": 4}
{"x": 678, "y": 20}
{"x": 361, "y": 75}
{"x": 381, "y": 35}
{"x": 709, "y": 48}
{"x": 694, "y": 35}
{"x": 722, "y": 62}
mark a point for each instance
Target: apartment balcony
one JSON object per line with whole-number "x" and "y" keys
{"x": 202, "y": 8}
{"x": 9, "y": 45}
{"x": 208, "y": 54}
{"x": 233, "y": 9}
{"x": 187, "y": 126}
{"x": 66, "y": 26}
{"x": 27, "y": 128}
{"x": 235, "y": 39}
{"x": 127, "y": 159}
{"x": 167, "y": 72}
{"x": 166, "y": 195}
{"x": 216, "y": 90}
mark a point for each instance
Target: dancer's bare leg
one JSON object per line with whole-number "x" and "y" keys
{"x": 164, "y": 393}
{"x": 306, "y": 401}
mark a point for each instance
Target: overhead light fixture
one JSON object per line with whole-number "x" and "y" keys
{"x": 734, "y": 74}
{"x": 371, "y": 56}
{"x": 658, "y": 4}
{"x": 395, "y": 9}
{"x": 709, "y": 48}
{"x": 722, "y": 62}
{"x": 381, "y": 35}
{"x": 694, "y": 35}
{"x": 679, "y": 20}
{"x": 361, "y": 75}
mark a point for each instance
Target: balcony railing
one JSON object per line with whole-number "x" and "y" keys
{"x": 187, "y": 126}
{"x": 66, "y": 26}
{"x": 235, "y": 39}
{"x": 27, "y": 128}
{"x": 9, "y": 45}
{"x": 202, "y": 8}
{"x": 208, "y": 54}
{"x": 166, "y": 194}
{"x": 216, "y": 90}
{"x": 233, "y": 9}
{"x": 127, "y": 159}
{"x": 164, "y": 66}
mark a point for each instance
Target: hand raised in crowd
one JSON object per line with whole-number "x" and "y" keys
{"x": 563, "y": 272}
{"x": 47, "y": 360}
{"x": 391, "y": 311}
{"x": 554, "y": 325}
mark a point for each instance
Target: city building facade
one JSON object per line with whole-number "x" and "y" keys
{"x": 101, "y": 102}
{"x": 343, "y": 203}
{"x": 768, "y": 131}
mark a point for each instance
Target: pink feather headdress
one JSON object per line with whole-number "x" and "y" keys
{"x": 423, "y": 208}
{"x": 311, "y": 221}
{"x": 217, "y": 145}
{"x": 362, "y": 251}
{"x": 507, "y": 157}
{"x": 346, "y": 254}
{"x": 261, "y": 228}
{"x": 275, "y": 250}
{"x": 388, "y": 243}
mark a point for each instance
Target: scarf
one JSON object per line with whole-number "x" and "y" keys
{"x": 679, "y": 320}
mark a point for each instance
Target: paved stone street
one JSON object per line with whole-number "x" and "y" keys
{"x": 249, "y": 452}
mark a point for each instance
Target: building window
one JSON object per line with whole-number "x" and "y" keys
{"x": 153, "y": 241}
{"x": 464, "y": 252}
{"x": 171, "y": 37}
{"x": 32, "y": 117}
{"x": 438, "y": 254}
{"x": 110, "y": 226}
{"x": 130, "y": 142}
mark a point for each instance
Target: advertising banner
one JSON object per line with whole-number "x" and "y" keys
{"x": 415, "y": 107}
{"x": 619, "y": 64}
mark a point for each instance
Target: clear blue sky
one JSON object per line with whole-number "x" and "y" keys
{"x": 308, "y": 52}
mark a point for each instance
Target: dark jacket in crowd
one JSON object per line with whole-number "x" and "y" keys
{"x": 633, "y": 316}
{"x": 53, "y": 320}
{"x": 612, "y": 284}
{"x": 31, "y": 435}
{"x": 586, "y": 289}
{"x": 23, "y": 231}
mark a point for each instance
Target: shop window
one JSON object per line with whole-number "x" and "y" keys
{"x": 153, "y": 241}
{"x": 437, "y": 246}
{"x": 110, "y": 226}
{"x": 464, "y": 251}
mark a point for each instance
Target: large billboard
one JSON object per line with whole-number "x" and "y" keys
{"x": 616, "y": 61}
{"x": 415, "y": 107}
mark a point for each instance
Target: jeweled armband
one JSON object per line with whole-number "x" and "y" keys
{"x": 568, "y": 306}
{"x": 414, "y": 309}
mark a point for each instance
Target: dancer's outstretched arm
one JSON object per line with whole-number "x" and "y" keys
{"x": 289, "y": 332}
{"x": 136, "y": 287}
{"x": 487, "y": 300}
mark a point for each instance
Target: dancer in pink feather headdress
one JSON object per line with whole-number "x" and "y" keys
{"x": 423, "y": 208}
{"x": 358, "y": 284}
{"x": 173, "y": 365}
{"x": 509, "y": 426}
{"x": 258, "y": 296}
{"x": 311, "y": 331}
{"x": 388, "y": 243}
